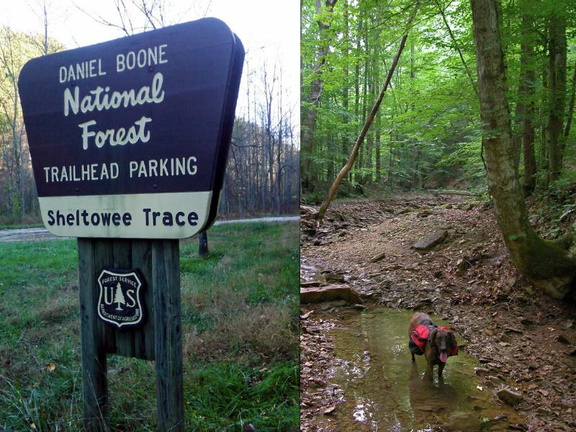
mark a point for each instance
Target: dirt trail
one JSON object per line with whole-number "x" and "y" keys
{"x": 524, "y": 340}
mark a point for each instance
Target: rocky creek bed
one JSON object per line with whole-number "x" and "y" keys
{"x": 365, "y": 255}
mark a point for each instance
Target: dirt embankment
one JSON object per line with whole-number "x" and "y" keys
{"x": 525, "y": 341}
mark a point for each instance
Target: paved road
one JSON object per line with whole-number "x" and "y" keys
{"x": 26, "y": 234}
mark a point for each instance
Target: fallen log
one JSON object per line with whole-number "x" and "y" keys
{"x": 454, "y": 192}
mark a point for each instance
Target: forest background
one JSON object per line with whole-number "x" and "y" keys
{"x": 482, "y": 98}
{"x": 263, "y": 167}
{"x": 427, "y": 133}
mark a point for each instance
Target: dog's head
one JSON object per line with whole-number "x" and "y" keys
{"x": 443, "y": 343}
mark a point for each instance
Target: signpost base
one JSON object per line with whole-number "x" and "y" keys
{"x": 157, "y": 338}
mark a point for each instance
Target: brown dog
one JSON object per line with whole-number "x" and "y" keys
{"x": 437, "y": 347}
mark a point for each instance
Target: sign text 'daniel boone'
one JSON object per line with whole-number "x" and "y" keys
{"x": 129, "y": 138}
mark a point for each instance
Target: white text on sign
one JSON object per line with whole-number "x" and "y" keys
{"x": 146, "y": 168}
{"x": 103, "y": 98}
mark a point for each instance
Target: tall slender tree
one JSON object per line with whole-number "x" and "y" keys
{"x": 557, "y": 75}
{"x": 310, "y": 109}
{"x": 526, "y": 103}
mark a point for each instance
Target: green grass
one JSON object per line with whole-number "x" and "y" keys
{"x": 240, "y": 389}
{"x": 239, "y": 312}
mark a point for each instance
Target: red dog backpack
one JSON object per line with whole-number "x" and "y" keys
{"x": 419, "y": 337}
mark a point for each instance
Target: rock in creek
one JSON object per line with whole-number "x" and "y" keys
{"x": 429, "y": 241}
{"x": 329, "y": 293}
{"x": 509, "y": 397}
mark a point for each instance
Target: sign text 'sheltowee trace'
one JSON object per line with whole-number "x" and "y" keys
{"x": 129, "y": 138}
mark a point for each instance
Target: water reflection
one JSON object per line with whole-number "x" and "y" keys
{"x": 384, "y": 390}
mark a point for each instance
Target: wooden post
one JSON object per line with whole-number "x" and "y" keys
{"x": 167, "y": 321}
{"x": 203, "y": 244}
{"x": 159, "y": 338}
{"x": 94, "y": 382}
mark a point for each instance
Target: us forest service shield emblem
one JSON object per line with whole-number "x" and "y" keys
{"x": 119, "y": 300}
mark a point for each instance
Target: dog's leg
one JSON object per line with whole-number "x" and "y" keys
{"x": 440, "y": 370}
{"x": 413, "y": 371}
{"x": 429, "y": 372}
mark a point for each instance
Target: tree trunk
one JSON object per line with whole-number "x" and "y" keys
{"x": 570, "y": 112}
{"x": 547, "y": 265}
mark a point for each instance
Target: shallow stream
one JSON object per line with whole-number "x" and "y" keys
{"x": 383, "y": 390}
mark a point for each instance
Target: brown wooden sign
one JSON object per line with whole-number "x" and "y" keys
{"x": 129, "y": 138}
